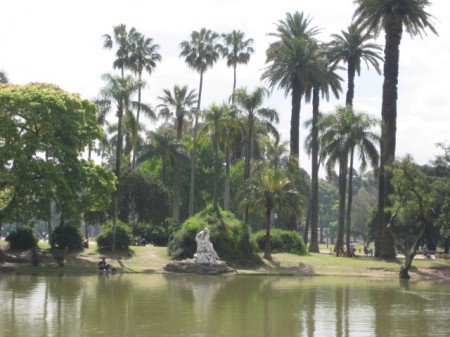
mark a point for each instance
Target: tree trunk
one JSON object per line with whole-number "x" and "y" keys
{"x": 314, "y": 205}
{"x": 295, "y": 118}
{"x": 267, "y": 246}
{"x": 248, "y": 152}
{"x": 176, "y": 189}
{"x": 115, "y": 196}
{"x": 194, "y": 150}
{"x": 350, "y": 200}
{"x": 393, "y": 29}
{"x": 216, "y": 168}
{"x": 351, "y": 84}
{"x": 341, "y": 216}
{"x": 133, "y": 162}
{"x": 226, "y": 202}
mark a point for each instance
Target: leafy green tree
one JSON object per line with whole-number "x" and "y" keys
{"x": 200, "y": 53}
{"x": 237, "y": 50}
{"x": 43, "y": 131}
{"x": 341, "y": 134}
{"x": 352, "y": 47}
{"x": 290, "y": 62}
{"x": 178, "y": 104}
{"x": 3, "y": 77}
{"x": 269, "y": 190}
{"x": 391, "y": 16}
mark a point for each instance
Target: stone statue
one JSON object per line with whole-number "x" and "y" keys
{"x": 205, "y": 261}
{"x": 205, "y": 250}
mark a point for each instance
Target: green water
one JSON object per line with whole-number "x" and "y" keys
{"x": 232, "y": 306}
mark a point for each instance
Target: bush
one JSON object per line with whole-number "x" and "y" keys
{"x": 282, "y": 241}
{"x": 124, "y": 236}
{"x": 230, "y": 237}
{"x": 157, "y": 235}
{"x": 22, "y": 238}
{"x": 67, "y": 236}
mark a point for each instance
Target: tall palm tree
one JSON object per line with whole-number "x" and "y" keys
{"x": 249, "y": 104}
{"x": 214, "y": 118}
{"x": 271, "y": 189}
{"x": 391, "y": 16}
{"x": 124, "y": 40}
{"x": 200, "y": 53}
{"x": 352, "y": 47}
{"x": 118, "y": 92}
{"x": 341, "y": 133}
{"x": 237, "y": 50}
{"x": 178, "y": 104}
{"x": 290, "y": 61}
{"x": 326, "y": 80}
{"x": 143, "y": 56}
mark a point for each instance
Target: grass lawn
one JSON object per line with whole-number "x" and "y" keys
{"x": 148, "y": 259}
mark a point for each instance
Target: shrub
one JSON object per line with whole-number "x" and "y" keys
{"x": 230, "y": 237}
{"x": 22, "y": 238}
{"x": 282, "y": 241}
{"x": 124, "y": 236}
{"x": 157, "y": 235}
{"x": 67, "y": 236}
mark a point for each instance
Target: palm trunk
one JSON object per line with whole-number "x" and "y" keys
{"x": 194, "y": 150}
{"x": 115, "y": 196}
{"x": 351, "y": 84}
{"x": 314, "y": 205}
{"x": 226, "y": 202}
{"x": 267, "y": 246}
{"x": 350, "y": 200}
{"x": 133, "y": 165}
{"x": 176, "y": 190}
{"x": 295, "y": 118}
{"x": 341, "y": 216}
{"x": 234, "y": 83}
{"x": 393, "y": 28}
{"x": 216, "y": 169}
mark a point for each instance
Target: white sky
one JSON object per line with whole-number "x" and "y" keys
{"x": 59, "y": 41}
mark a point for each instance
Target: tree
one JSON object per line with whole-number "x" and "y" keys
{"x": 323, "y": 81}
{"x": 118, "y": 92}
{"x": 43, "y": 133}
{"x": 352, "y": 47}
{"x": 412, "y": 202}
{"x": 124, "y": 40}
{"x": 290, "y": 61}
{"x": 271, "y": 189}
{"x": 3, "y": 77}
{"x": 391, "y": 16}
{"x": 178, "y": 104}
{"x": 144, "y": 56}
{"x": 200, "y": 53}
{"x": 237, "y": 50}
{"x": 341, "y": 133}
{"x": 215, "y": 117}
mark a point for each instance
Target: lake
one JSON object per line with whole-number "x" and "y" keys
{"x": 214, "y": 306}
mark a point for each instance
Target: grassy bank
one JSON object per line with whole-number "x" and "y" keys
{"x": 152, "y": 260}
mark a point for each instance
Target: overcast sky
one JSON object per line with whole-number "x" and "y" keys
{"x": 59, "y": 41}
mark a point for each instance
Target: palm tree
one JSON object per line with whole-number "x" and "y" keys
{"x": 271, "y": 189}
{"x": 326, "y": 80}
{"x": 237, "y": 50}
{"x": 392, "y": 16}
{"x": 342, "y": 133}
{"x": 144, "y": 56}
{"x": 215, "y": 117}
{"x": 352, "y": 47}
{"x": 124, "y": 40}
{"x": 290, "y": 62}
{"x": 200, "y": 53}
{"x": 118, "y": 91}
{"x": 249, "y": 104}
{"x": 178, "y": 104}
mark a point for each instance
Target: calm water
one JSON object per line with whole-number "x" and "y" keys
{"x": 232, "y": 306}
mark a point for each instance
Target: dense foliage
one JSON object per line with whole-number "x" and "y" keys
{"x": 124, "y": 236}
{"x": 230, "y": 237}
{"x": 67, "y": 236}
{"x": 22, "y": 238}
{"x": 157, "y": 234}
{"x": 282, "y": 241}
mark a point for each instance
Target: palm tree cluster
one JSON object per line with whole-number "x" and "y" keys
{"x": 298, "y": 63}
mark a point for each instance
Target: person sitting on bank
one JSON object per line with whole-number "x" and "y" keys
{"x": 103, "y": 266}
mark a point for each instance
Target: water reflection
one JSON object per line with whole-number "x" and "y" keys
{"x": 191, "y": 305}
